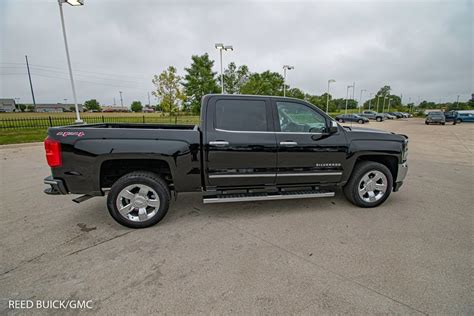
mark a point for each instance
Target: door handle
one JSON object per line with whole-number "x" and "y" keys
{"x": 288, "y": 143}
{"x": 219, "y": 143}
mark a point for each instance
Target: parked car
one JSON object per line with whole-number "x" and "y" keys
{"x": 351, "y": 118}
{"x": 464, "y": 117}
{"x": 372, "y": 115}
{"x": 247, "y": 148}
{"x": 435, "y": 118}
{"x": 450, "y": 116}
{"x": 406, "y": 115}
{"x": 398, "y": 115}
{"x": 389, "y": 116}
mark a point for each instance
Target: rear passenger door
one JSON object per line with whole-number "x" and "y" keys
{"x": 240, "y": 145}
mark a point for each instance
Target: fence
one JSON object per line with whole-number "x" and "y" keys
{"x": 50, "y": 121}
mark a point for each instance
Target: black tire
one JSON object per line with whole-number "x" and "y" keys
{"x": 378, "y": 119}
{"x": 458, "y": 121}
{"x": 427, "y": 123}
{"x": 443, "y": 123}
{"x": 351, "y": 189}
{"x": 341, "y": 121}
{"x": 148, "y": 179}
{"x": 360, "y": 121}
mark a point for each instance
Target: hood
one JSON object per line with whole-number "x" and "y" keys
{"x": 357, "y": 133}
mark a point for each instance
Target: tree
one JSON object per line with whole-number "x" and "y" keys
{"x": 168, "y": 90}
{"x": 30, "y": 108}
{"x": 136, "y": 106}
{"x": 199, "y": 80}
{"x": 265, "y": 83}
{"x": 235, "y": 77}
{"x": 22, "y": 107}
{"x": 92, "y": 105}
{"x": 295, "y": 93}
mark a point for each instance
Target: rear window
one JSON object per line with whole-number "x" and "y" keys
{"x": 241, "y": 115}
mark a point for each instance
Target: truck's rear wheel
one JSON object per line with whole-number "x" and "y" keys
{"x": 370, "y": 184}
{"x": 139, "y": 199}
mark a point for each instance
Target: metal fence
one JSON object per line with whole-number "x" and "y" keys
{"x": 50, "y": 121}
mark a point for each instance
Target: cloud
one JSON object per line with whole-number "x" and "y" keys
{"x": 422, "y": 49}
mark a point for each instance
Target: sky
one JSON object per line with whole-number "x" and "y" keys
{"x": 422, "y": 49}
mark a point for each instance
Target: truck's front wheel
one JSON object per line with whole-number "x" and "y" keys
{"x": 370, "y": 184}
{"x": 139, "y": 199}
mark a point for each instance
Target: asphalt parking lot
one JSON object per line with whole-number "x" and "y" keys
{"x": 412, "y": 255}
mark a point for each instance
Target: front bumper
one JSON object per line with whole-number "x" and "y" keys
{"x": 56, "y": 186}
{"x": 402, "y": 173}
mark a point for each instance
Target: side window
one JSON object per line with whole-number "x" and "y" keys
{"x": 241, "y": 115}
{"x": 299, "y": 118}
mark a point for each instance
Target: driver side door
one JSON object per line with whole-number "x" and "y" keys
{"x": 306, "y": 153}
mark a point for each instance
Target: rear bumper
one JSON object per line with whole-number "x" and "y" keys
{"x": 402, "y": 173}
{"x": 56, "y": 186}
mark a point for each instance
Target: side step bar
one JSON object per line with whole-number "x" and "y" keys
{"x": 245, "y": 197}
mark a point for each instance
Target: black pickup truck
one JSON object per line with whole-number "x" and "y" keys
{"x": 246, "y": 148}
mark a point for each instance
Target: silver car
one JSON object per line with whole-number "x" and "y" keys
{"x": 435, "y": 118}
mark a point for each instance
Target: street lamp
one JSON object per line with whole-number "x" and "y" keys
{"x": 73, "y": 3}
{"x": 383, "y": 108}
{"x": 378, "y": 101}
{"x": 347, "y": 95}
{"x": 370, "y": 100}
{"x": 285, "y": 68}
{"x": 389, "y": 100}
{"x": 360, "y": 100}
{"x": 222, "y": 47}
{"x": 327, "y": 99}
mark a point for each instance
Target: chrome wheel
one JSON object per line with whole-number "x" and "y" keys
{"x": 138, "y": 202}
{"x": 373, "y": 186}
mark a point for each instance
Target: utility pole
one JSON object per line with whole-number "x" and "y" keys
{"x": 121, "y": 99}
{"x": 370, "y": 100}
{"x": 114, "y": 101}
{"x": 457, "y": 101}
{"x": 31, "y": 83}
{"x": 378, "y": 101}
{"x": 149, "y": 103}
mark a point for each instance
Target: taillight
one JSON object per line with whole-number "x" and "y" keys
{"x": 53, "y": 152}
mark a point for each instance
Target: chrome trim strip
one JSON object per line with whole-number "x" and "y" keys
{"x": 267, "y": 197}
{"x": 257, "y": 132}
{"x": 256, "y": 175}
{"x": 309, "y": 174}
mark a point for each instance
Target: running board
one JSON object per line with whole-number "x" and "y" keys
{"x": 245, "y": 197}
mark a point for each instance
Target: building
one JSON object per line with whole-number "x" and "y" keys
{"x": 7, "y": 105}
{"x": 58, "y": 107}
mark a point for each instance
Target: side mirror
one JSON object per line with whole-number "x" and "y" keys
{"x": 333, "y": 128}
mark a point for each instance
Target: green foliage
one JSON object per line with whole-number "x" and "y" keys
{"x": 168, "y": 90}
{"x": 235, "y": 77}
{"x": 22, "y": 107}
{"x": 265, "y": 83}
{"x": 136, "y": 106}
{"x": 199, "y": 80}
{"x": 30, "y": 108}
{"x": 295, "y": 93}
{"x": 92, "y": 105}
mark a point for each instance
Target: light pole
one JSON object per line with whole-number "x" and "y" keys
{"x": 73, "y": 3}
{"x": 378, "y": 101}
{"x": 121, "y": 99}
{"x": 327, "y": 99}
{"x": 370, "y": 100}
{"x": 360, "y": 100}
{"x": 221, "y": 47}
{"x": 347, "y": 95}
{"x": 285, "y": 68}
{"x": 383, "y": 108}
{"x": 389, "y": 100}
{"x": 457, "y": 101}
